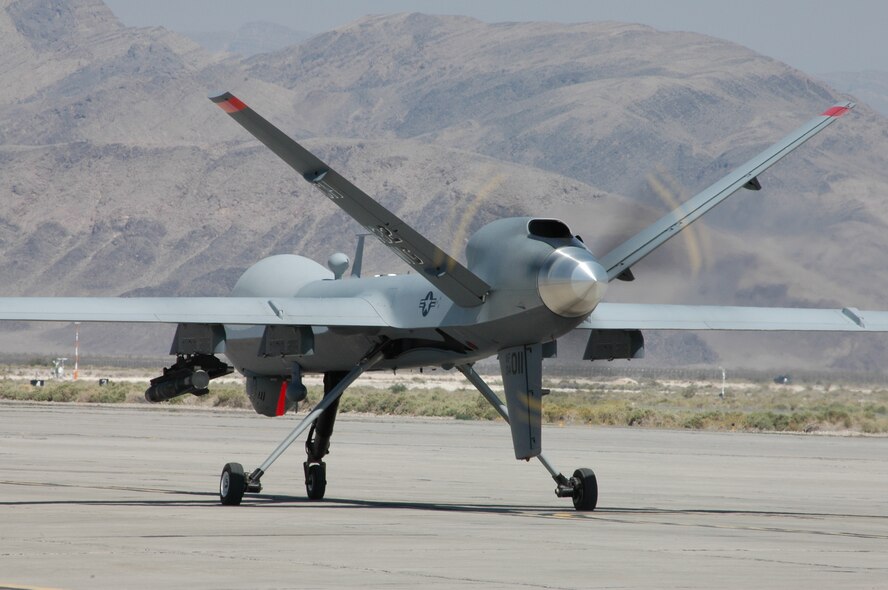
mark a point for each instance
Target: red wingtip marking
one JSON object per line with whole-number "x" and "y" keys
{"x": 232, "y": 105}
{"x": 836, "y": 111}
{"x": 282, "y": 400}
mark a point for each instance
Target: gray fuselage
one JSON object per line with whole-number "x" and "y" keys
{"x": 424, "y": 327}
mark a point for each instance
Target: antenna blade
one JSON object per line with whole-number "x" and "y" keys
{"x": 359, "y": 256}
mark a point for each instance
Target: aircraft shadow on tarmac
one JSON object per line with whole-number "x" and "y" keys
{"x": 333, "y": 503}
{"x": 203, "y": 499}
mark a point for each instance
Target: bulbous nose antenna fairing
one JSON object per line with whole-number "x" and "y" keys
{"x": 571, "y": 282}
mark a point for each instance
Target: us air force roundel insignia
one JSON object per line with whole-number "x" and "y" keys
{"x": 427, "y": 303}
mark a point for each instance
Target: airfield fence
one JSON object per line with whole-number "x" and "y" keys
{"x": 552, "y": 369}
{"x": 571, "y": 369}
{"x": 710, "y": 373}
{"x": 126, "y": 362}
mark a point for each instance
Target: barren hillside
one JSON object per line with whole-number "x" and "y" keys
{"x": 121, "y": 178}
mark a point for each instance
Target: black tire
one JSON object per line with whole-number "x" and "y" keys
{"x": 585, "y": 496}
{"x": 316, "y": 481}
{"x": 232, "y": 484}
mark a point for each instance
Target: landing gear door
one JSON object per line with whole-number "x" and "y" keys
{"x": 522, "y": 370}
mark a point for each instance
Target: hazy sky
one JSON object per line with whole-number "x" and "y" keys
{"x": 814, "y": 35}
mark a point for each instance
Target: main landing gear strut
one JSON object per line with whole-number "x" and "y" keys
{"x": 582, "y": 487}
{"x": 234, "y": 483}
{"x": 317, "y": 444}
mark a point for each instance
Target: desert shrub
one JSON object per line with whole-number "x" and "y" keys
{"x": 639, "y": 416}
{"x": 767, "y": 421}
{"x": 872, "y": 427}
{"x": 835, "y": 414}
{"x": 112, "y": 393}
{"x": 694, "y": 422}
{"x": 230, "y": 398}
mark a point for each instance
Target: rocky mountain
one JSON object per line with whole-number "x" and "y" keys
{"x": 121, "y": 178}
{"x": 870, "y": 86}
{"x": 250, "y": 39}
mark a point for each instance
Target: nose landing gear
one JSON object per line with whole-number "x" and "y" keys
{"x": 233, "y": 484}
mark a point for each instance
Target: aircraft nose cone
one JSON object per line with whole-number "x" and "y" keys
{"x": 571, "y": 281}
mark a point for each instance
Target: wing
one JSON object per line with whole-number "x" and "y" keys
{"x": 297, "y": 311}
{"x": 640, "y": 316}
{"x": 438, "y": 267}
{"x": 621, "y": 258}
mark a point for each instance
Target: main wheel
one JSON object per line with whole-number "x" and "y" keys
{"x": 232, "y": 484}
{"x": 585, "y": 489}
{"x": 316, "y": 481}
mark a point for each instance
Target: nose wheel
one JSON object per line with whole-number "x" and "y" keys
{"x": 585, "y": 489}
{"x": 232, "y": 484}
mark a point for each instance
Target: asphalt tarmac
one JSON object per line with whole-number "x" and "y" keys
{"x": 125, "y": 497}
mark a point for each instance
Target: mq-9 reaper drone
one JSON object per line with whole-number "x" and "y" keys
{"x": 527, "y": 282}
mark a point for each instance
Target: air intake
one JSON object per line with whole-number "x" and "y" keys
{"x": 548, "y": 228}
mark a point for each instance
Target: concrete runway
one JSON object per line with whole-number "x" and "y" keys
{"x": 125, "y": 497}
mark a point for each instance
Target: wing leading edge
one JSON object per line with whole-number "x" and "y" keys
{"x": 640, "y": 316}
{"x": 439, "y": 268}
{"x": 621, "y": 258}
{"x": 297, "y": 311}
